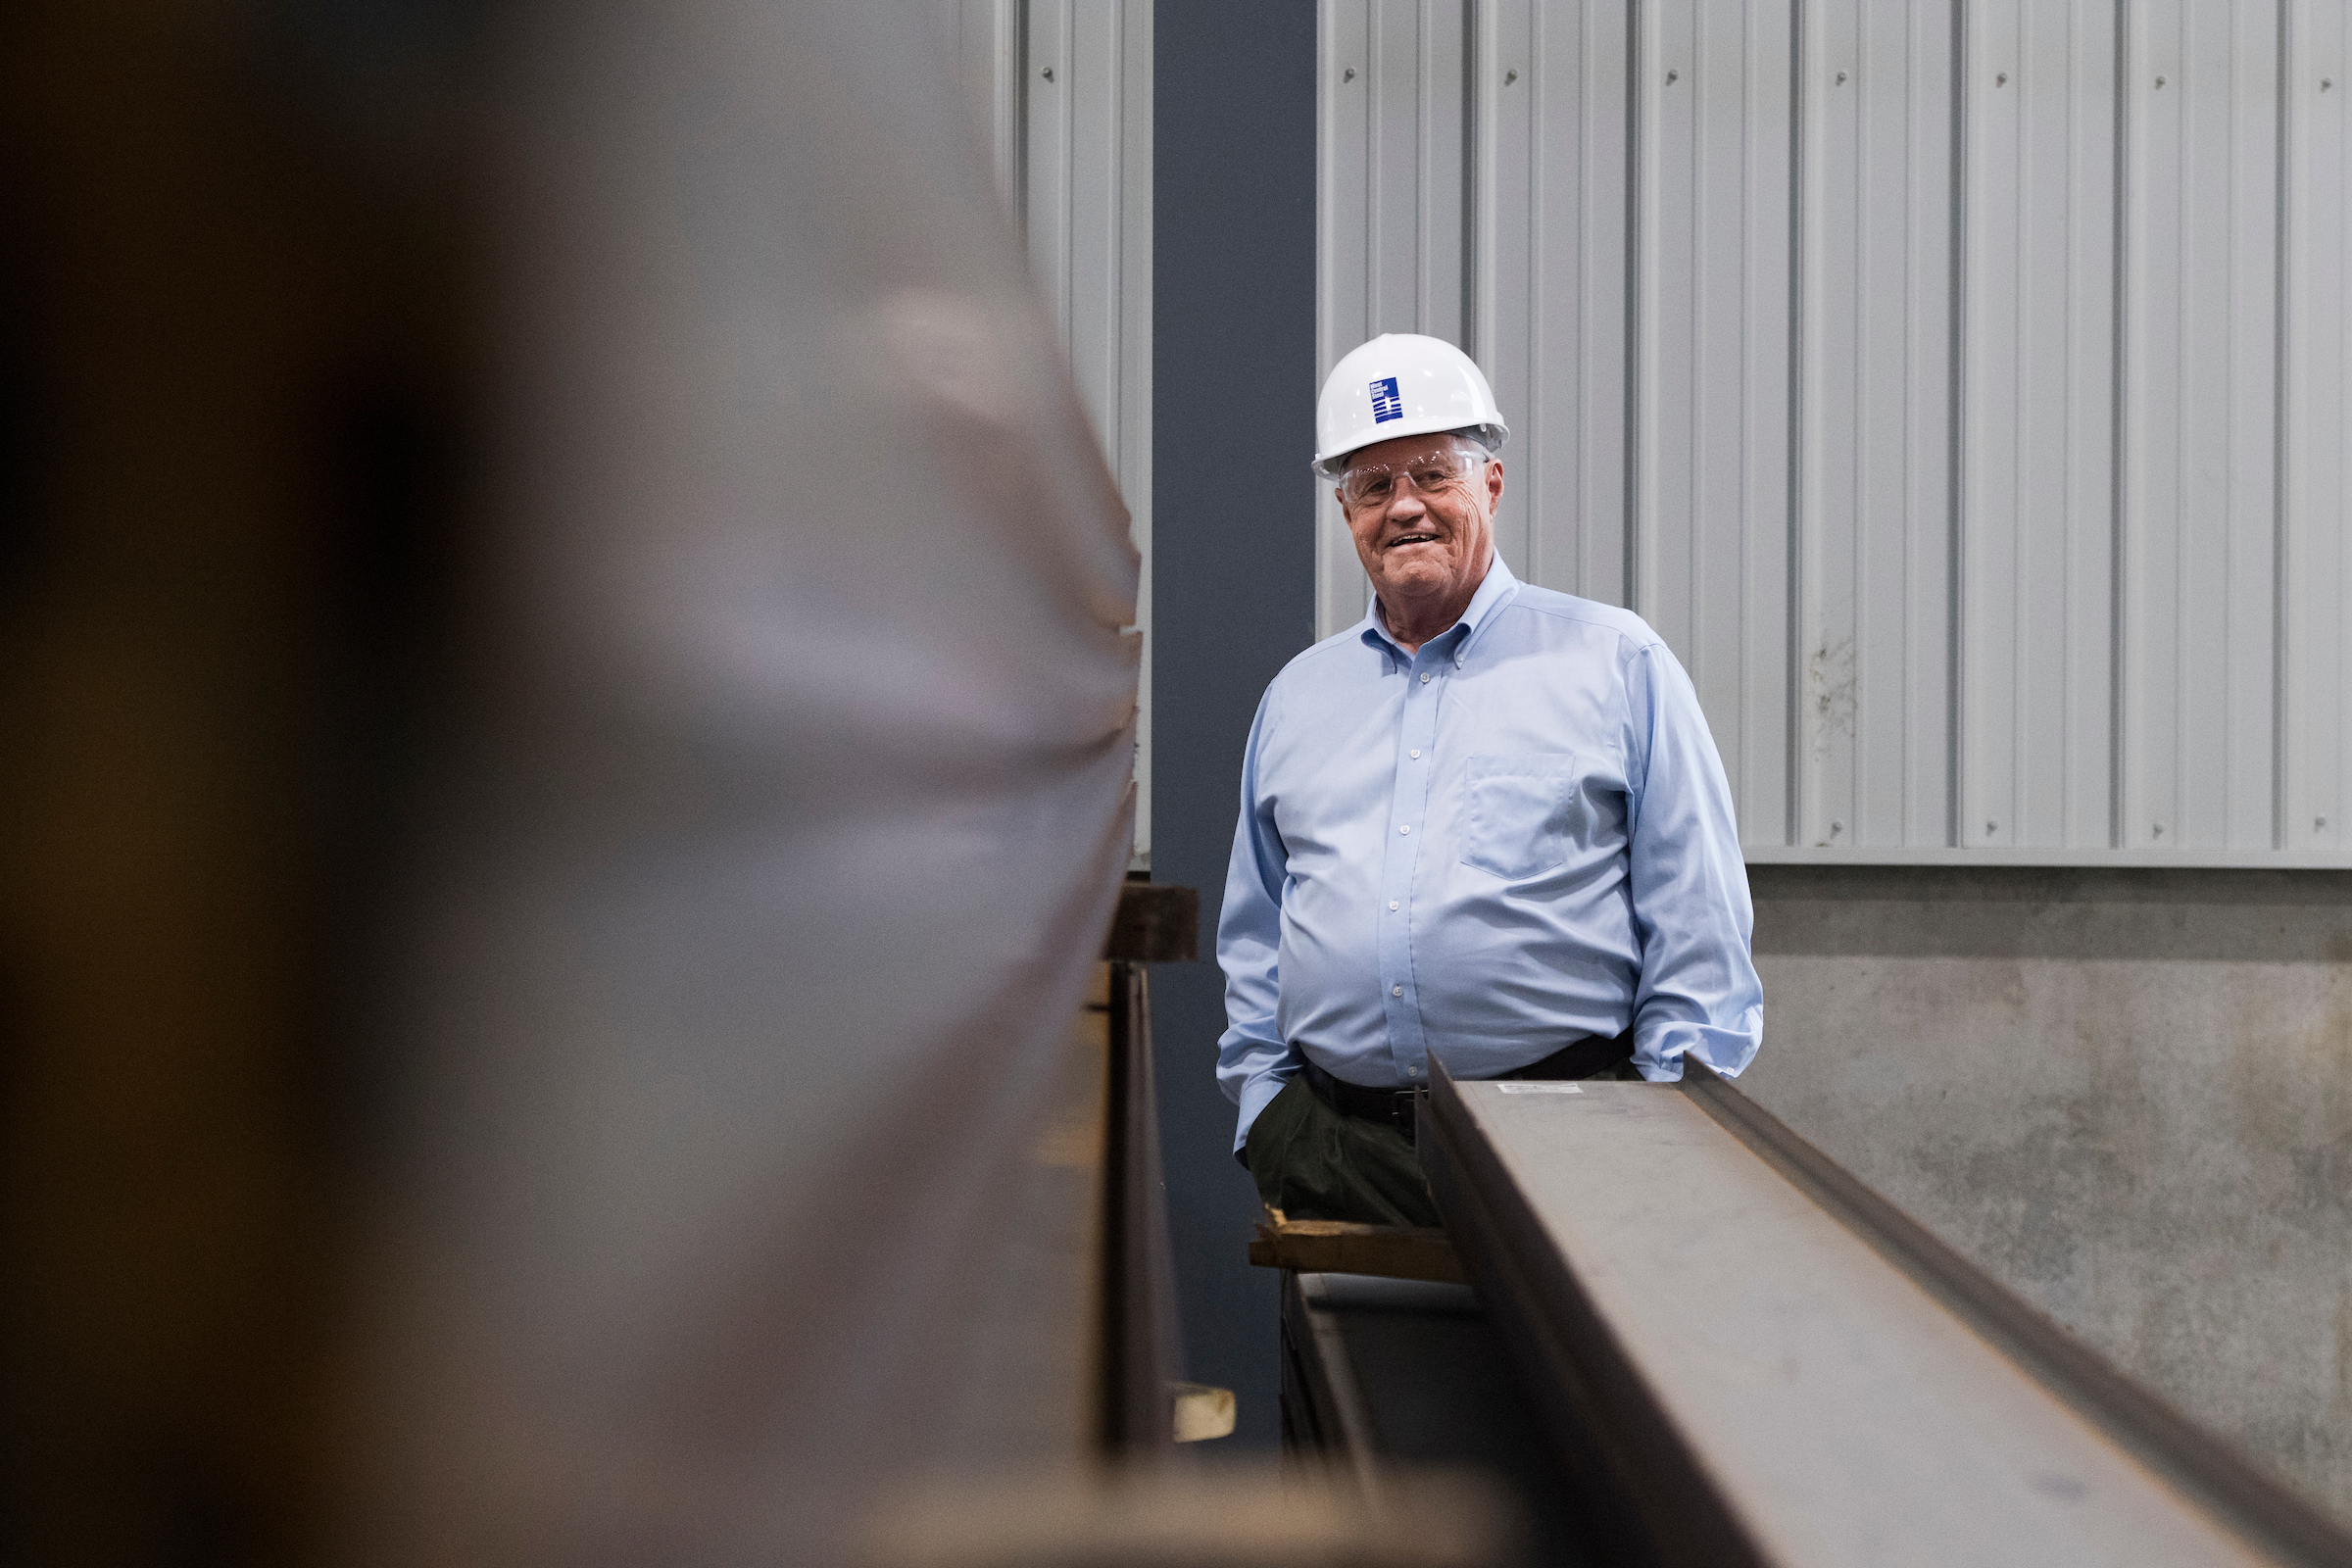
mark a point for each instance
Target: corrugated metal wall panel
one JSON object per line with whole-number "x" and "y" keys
{"x": 1506, "y": 205}
{"x": 1393, "y": 219}
{"x": 1877, "y": 480}
{"x": 1985, "y": 401}
{"x": 1714, "y": 99}
{"x": 2201, "y": 319}
{"x": 2317, "y": 686}
{"x": 1551, "y": 89}
{"x": 2038, "y": 435}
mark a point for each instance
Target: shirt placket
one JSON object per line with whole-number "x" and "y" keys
{"x": 1409, "y": 798}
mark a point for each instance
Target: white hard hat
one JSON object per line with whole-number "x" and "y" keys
{"x": 1402, "y": 384}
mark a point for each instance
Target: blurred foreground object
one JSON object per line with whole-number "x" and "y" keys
{"x": 1209, "y": 1517}
{"x": 569, "y": 757}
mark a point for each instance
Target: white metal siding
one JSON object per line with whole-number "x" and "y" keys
{"x": 2037, "y": 450}
{"x": 1966, "y": 408}
{"x": 1552, "y": 299}
{"x": 1392, "y": 209}
{"x": 2317, "y": 569}
{"x": 1711, "y": 483}
{"x": 2201, "y": 111}
{"x": 1876, "y": 311}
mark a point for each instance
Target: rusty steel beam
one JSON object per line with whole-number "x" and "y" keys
{"x": 1746, "y": 1356}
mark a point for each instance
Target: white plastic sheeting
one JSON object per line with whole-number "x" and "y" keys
{"x": 746, "y": 938}
{"x": 1063, "y": 94}
{"x": 1958, "y": 389}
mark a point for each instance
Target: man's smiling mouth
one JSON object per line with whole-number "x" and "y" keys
{"x": 1403, "y": 539}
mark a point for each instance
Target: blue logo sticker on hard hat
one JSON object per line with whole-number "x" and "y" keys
{"x": 1386, "y": 404}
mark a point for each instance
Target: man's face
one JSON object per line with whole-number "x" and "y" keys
{"x": 1420, "y": 509}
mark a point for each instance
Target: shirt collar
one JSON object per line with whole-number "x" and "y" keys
{"x": 1491, "y": 594}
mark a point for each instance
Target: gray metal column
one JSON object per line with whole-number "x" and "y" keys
{"x": 1233, "y": 589}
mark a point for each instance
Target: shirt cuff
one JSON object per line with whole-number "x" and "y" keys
{"x": 1257, "y": 1094}
{"x": 1727, "y": 1051}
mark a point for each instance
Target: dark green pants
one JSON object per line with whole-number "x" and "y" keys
{"x": 1313, "y": 1163}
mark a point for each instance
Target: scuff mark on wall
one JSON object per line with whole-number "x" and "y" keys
{"x": 1829, "y": 692}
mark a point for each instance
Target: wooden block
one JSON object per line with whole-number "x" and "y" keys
{"x": 1202, "y": 1413}
{"x": 1337, "y": 1246}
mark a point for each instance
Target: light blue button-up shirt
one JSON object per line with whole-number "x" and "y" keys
{"x": 1518, "y": 836}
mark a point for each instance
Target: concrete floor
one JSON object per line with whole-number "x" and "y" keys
{"x": 2126, "y": 1093}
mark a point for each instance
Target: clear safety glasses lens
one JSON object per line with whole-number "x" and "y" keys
{"x": 1371, "y": 484}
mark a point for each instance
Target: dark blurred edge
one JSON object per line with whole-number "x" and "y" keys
{"x": 235, "y": 404}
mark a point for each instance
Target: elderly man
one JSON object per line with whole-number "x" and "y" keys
{"x": 1486, "y": 824}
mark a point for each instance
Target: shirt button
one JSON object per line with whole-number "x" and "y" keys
{"x": 1392, "y": 903}
{"x": 1412, "y": 1072}
{"x": 1416, "y": 750}
{"x": 1405, "y": 830}
{"x": 1396, "y": 991}
{"x": 1425, "y": 678}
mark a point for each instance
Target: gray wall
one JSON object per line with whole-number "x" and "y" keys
{"x": 2124, "y": 1093}
{"x": 1233, "y": 574}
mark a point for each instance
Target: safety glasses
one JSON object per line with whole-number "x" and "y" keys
{"x": 1434, "y": 473}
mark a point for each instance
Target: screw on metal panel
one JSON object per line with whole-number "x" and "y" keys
{"x": 1348, "y": 74}
{"x": 1991, "y": 827}
{"x": 2159, "y": 81}
{"x": 1048, "y": 73}
{"x": 2159, "y": 833}
{"x": 2318, "y": 821}
{"x": 2327, "y": 83}
{"x": 1509, "y": 77}
{"x": 1841, "y": 78}
{"x": 1836, "y": 828}
{"x": 1672, "y": 76}
{"x": 2001, "y": 80}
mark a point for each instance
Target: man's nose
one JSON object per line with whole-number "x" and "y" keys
{"x": 1405, "y": 500}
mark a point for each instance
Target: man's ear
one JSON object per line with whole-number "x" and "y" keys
{"x": 1493, "y": 484}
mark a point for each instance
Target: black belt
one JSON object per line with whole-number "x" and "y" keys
{"x": 1394, "y": 1107}
{"x": 1587, "y": 1057}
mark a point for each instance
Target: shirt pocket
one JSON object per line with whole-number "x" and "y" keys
{"x": 1515, "y": 813}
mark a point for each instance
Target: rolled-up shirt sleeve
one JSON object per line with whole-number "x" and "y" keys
{"x": 1698, "y": 994}
{"x": 1252, "y": 1060}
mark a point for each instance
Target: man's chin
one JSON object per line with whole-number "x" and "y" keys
{"x": 1417, "y": 579}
